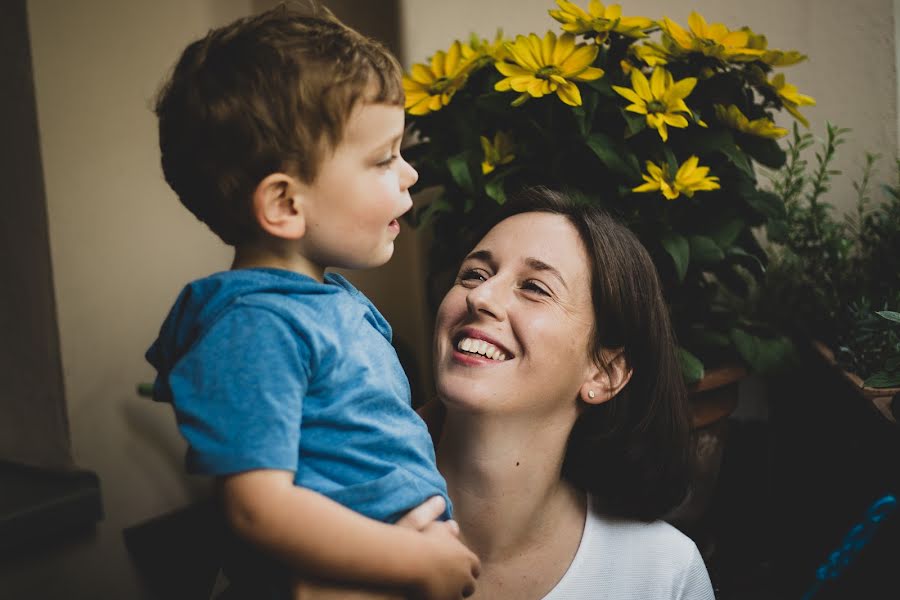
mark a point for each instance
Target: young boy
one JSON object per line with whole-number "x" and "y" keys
{"x": 282, "y": 133}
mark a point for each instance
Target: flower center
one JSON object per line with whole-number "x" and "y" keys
{"x": 656, "y": 106}
{"x": 546, "y": 72}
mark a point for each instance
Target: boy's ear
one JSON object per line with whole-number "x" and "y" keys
{"x": 277, "y": 207}
{"x": 606, "y": 380}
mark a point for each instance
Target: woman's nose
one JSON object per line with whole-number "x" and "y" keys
{"x": 488, "y": 299}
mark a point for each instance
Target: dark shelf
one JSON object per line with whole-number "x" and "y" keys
{"x": 42, "y": 505}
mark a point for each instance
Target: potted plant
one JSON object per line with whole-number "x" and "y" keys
{"x": 661, "y": 124}
{"x": 835, "y": 281}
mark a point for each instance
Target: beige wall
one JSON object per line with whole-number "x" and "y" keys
{"x": 850, "y": 44}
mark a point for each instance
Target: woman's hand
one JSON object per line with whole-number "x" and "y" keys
{"x": 418, "y": 519}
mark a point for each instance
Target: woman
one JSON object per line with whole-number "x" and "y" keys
{"x": 563, "y": 431}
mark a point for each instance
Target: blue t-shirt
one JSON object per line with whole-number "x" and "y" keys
{"x": 270, "y": 369}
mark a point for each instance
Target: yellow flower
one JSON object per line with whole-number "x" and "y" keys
{"x": 500, "y": 152}
{"x": 773, "y": 58}
{"x": 661, "y": 99}
{"x": 650, "y": 54}
{"x": 546, "y": 66}
{"x": 430, "y": 87}
{"x": 791, "y": 98}
{"x": 483, "y": 49}
{"x": 714, "y": 40}
{"x": 733, "y": 117}
{"x": 690, "y": 178}
{"x": 599, "y": 19}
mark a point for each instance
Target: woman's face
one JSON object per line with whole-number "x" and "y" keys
{"x": 512, "y": 334}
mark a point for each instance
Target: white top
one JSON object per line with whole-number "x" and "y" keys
{"x": 619, "y": 559}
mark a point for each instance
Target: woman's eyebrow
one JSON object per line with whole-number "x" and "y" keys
{"x": 482, "y": 255}
{"x": 539, "y": 265}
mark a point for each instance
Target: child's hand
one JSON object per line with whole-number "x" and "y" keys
{"x": 451, "y": 568}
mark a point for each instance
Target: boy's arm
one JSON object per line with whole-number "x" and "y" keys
{"x": 417, "y": 519}
{"x": 313, "y": 534}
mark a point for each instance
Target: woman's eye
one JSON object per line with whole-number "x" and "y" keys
{"x": 472, "y": 276}
{"x": 533, "y": 286}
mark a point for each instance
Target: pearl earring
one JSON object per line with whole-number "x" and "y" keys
{"x": 591, "y": 394}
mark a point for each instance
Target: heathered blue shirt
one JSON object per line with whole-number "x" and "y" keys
{"x": 270, "y": 369}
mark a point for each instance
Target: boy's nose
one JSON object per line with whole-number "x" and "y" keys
{"x": 408, "y": 175}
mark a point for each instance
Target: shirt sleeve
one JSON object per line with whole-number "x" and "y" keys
{"x": 696, "y": 584}
{"x": 238, "y": 394}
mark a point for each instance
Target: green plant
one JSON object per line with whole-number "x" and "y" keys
{"x": 658, "y": 123}
{"x": 832, "y": 278}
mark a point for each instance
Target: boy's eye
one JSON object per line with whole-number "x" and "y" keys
{"x": 387, "y": 161}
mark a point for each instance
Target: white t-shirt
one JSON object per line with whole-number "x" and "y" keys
{"x": 620, "y": 559}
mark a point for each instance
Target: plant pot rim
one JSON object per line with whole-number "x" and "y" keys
{"x": 718, "y": 377}
{"x": 879, "y": 397}
{"x": 709, "y": 403}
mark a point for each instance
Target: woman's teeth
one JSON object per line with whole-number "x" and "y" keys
{"x": 481, "y": 347}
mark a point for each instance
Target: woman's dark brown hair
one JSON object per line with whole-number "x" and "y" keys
{"x": 632, "y": 452}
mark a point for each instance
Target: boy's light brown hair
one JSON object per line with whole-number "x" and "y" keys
{"x": 268, "y": 93}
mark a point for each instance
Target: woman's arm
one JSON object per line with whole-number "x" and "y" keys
{"x": 314, "y": 534}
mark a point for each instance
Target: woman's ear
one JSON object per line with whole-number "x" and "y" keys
{"x": 277, "y": 207}
{"x": 608, "y": 379}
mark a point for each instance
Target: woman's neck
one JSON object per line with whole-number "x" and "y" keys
{"x": 504, "y": 476}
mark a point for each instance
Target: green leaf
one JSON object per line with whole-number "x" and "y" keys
{"x": 706, "y": 141}
{"x": 763, "y": 150}
{"x": 603, "y": 86}
{"x": 691, "y": 366}
{"x": 746, "y": 260}
{"x": 614, "y": 156}
{"x": 777, "y": 231}
{"x": 671, "y": 160}
{"x": 634, "y": 123}
{"x": 705, "y": 250}
{"x": 883, "y": 379}
{"x": 680, "y": 251}
{"x": 494, "y": 189}
{"x": 726, "y": 233}
{"x": 458, "y": 165}
{"x": 889, "y": 315}
{"x": 584, "y": 114}
{"x": 425, "y": 214}
{"x": 763, "y": 355}
{"x": 766, "y": 203}
{"x": 145, "y": 389}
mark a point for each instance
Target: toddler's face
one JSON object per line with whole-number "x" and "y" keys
{"x": 361, "y": 191}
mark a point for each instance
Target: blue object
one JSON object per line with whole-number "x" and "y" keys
{"x": 270, "y": 369}
{"x": 855, "y": 540}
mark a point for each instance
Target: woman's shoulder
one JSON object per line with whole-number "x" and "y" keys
{"x": 629, "y": 559}
{"x": 654, "y": 539}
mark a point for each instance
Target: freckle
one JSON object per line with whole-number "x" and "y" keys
{"x": 517, "y": 463}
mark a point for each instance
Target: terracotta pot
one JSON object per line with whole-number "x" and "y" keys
{"x": 879, "y": 399}
{"x": 712, "y": 400}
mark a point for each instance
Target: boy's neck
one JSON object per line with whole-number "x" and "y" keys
{"x": 261, "y": 255}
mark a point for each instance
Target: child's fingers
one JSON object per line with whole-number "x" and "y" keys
{"x": 453, "y": 526}
{"x": 419, "y": 517}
